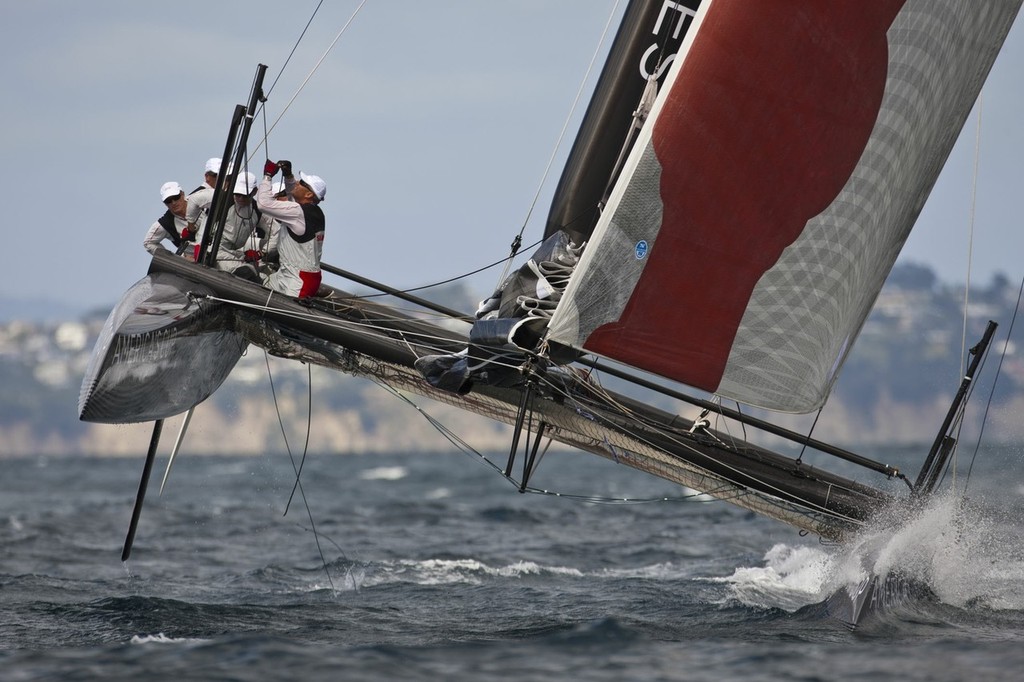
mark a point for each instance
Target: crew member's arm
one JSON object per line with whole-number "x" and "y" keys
{"x": 287, "y": 213}
{"x": 156, "y": 234}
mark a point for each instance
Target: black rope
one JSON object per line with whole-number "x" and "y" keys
{"x": 995, "y": 380}
{"x": 294, "y": 47}
{"x": 803, "y": 449}
{"x": 467, "y": 449}
{"x": 453, "y": 279}
{"x": 717, "y": 494}
{"x": 266, "y": 139}
{"x": 266, "y": 95}
{"x": 309, "y": 427}
{"x": 297, "y": 470}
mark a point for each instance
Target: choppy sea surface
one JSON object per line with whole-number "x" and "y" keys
{"x": 434, "y": 567}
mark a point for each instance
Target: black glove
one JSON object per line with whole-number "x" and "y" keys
{"x": 270, "y": 168}
{"x": 286, "y": 168}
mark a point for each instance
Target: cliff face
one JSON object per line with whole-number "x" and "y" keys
{"x": 249, "y": 425}
{"x": 894, "y": 390}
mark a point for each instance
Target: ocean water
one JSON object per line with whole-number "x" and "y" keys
{"x": 433, "y": 567}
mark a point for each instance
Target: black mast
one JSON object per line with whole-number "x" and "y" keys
{"x": 235, "y": 151}
{"x": 648, "y": 38}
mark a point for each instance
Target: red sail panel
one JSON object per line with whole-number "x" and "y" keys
{"x": 764, "y": 124}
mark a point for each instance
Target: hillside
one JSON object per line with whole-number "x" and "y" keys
{"x": 894, "y": 388}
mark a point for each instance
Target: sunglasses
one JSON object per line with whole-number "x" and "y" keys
{"x": 170, "y": 200}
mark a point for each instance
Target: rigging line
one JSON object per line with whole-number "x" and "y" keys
{"x": 302, "y": 492}
{"x": 277, "y": 407}
{"x": 294, "y": 47}
{"x": 266, "y": 138}
{"x": 803, "y": 507}
{"x": 309, "y": 427}
{"x": 970, "y": 258}
{"x": 807, "y": 504}
{"x": 610, "y": 401}
{"x": 325, "y": 537}
{"x": 565, "y": 127}
{"x": 680, "y": 442}
{"x": 958, "y": 420}
{"x": 724, "y": 421}
{"x": 677, "y": 18}
{"x": 743, "y": 425}
{"x": 457, "y": 278}
{"x": 445, "y": 431}
{"x": 314, "y": 70}
{"x": 467, "y": 449}
{"x": 723, "y": 491}
{"x": 995, "y": 381}
{"x": 441, "y": 344}
{"x": 970, "y": 232}
{"x": 803, "y": 449}
{"x": 424, "y": 338}
{"x": 594, "y": 499}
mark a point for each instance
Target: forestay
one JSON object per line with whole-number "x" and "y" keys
{"x": 785, "y": 162}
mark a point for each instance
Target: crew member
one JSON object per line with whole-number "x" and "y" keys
{"x": 246, "y": 231}
{"x": 301, "y": 234}
{"x": 170, "y": 224}
{"x": 199, "y": 203}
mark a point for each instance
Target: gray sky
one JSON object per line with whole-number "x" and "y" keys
{"x": 431, "y": 122}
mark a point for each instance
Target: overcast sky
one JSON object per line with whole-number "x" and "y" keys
{"x": 431, "y": 122}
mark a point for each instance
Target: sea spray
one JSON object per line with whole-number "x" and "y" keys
{"x": 967, "y": 555}
{"x": 792, "y": 577}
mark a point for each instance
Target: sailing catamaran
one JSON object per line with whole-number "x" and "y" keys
{"x": 741, "y": 185}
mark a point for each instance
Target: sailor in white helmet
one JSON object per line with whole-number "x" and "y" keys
{"x": 199, "y": 203}
{"x": 171, "y": 224}
{"x": 301, "y": 235}
{"x": 245, "y": 227}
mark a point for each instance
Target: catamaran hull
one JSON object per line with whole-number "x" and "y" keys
{"x": 875, "y": 595}
{"x": 363, "y": 338}
{"x": 161, "y": 352}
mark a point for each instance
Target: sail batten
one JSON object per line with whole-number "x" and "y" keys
{"x": 765, "y": 202}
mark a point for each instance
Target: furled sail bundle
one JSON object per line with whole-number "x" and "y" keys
{"x": 779, "y": 174}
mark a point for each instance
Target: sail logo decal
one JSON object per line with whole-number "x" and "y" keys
{"x": 678, "y": 23}
{"x": 641, "y": 249}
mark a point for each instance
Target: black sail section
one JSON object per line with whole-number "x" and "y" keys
{"x": 647, "y": 40}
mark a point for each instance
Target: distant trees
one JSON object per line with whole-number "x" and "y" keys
{"x": 912, "y": 276}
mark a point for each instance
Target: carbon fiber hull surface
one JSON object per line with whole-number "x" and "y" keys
{"x": 161, "y": 351}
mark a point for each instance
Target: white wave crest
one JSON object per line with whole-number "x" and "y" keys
{"x": 161, "y": 638}
{"x": 455, "y": 571}
{"x": 395, "y": 473}
{"x": 791, "y": 578}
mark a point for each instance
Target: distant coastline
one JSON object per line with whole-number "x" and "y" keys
{"x": 893, "y": 391}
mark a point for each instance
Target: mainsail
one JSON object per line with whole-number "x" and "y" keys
{"x": 763, "y": 205}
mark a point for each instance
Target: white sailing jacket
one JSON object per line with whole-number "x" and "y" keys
{"x": 168, "y": 226}
{"x": 300, "y": 241}
{"x": 240, "y": 235}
